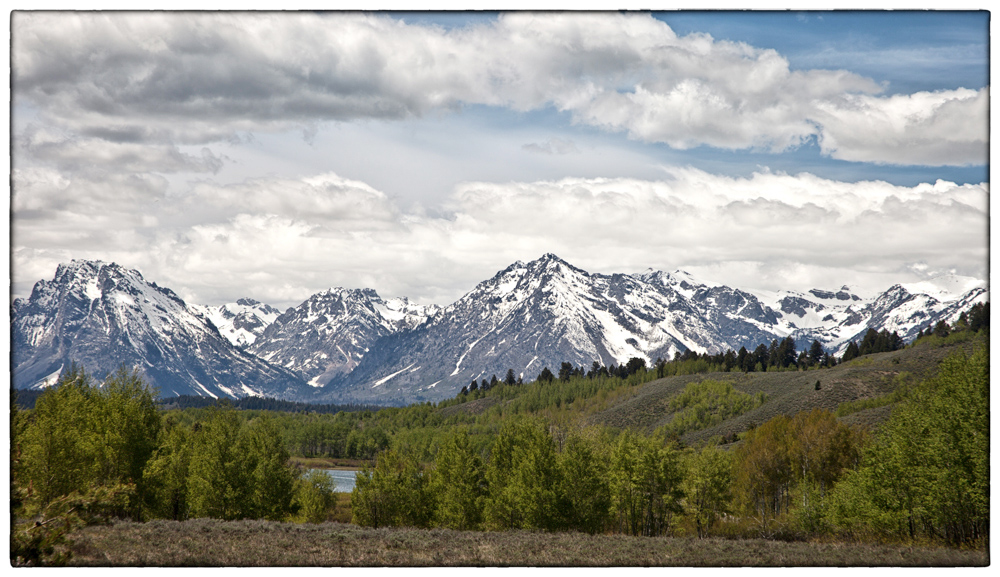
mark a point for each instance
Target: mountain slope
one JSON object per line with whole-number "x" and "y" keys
{"x": 788, "y": 392}
{"x": 102, "y": 315}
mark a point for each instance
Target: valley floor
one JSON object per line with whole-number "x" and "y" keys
{"x": 213, "y": 543}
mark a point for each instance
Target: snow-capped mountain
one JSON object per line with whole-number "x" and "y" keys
{"x": 352, "y": 345}
{"x": 837, "y": 318}
{"x": 240, "y": 322}
{"x": 101, "y": 316}
{"x": 542, "y": 313}
{"x": 328, "y": 334}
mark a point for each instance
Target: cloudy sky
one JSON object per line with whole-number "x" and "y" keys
{"x": 273, "y": 155}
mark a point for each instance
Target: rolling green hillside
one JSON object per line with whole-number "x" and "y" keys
{"x": 646, "y": 407}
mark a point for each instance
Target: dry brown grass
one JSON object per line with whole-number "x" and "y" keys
{"x": 869, "y": 418}
{"x": 204, "y": 542}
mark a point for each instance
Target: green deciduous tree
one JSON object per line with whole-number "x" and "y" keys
{"x": 126, "y": 424}
{"x": 219, "y": 483}
{"x": 393, "y": 493}
{"x": 57, "y": 448}
{"x": 314, "y": 496}
{"x": 708, "y": 403}
{"x": 271, "y": 479}
{"x": 584, "y": 490}
{"x": 166, "y": 474}
{"x": 707, "y": 486}
{"x": 501, "y": 510}
{"x": 763, "y": 470}
{"x": 459, "y": 484}
{"x": 523, "y": 479}
{"x": 645, "y": 485}
{"x": 820, "y": 448}
{"x": 82, "y": 436}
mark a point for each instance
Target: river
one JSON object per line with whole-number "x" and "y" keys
{"x": 343, "y": 477}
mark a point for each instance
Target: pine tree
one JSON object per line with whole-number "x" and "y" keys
{"x": 815, "y": 352}
{"x": 635, "y": 364}
{"x": 868, "y": 343}
{"x": 728, "y": 361}
{"x": 851, "y": 352}
{"x": 760, "y": 356}
{"x": 742, "y": 360}
{"x": 979, "y": 317}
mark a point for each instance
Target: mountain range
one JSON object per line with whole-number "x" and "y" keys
{"x": 351, "y": 345}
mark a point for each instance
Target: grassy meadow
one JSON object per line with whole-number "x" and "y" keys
{"x": 214, "y": 543}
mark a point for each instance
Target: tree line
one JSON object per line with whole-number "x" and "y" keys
{"x": 262, "y": 404}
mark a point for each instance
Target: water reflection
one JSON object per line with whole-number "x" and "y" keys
{"x": 343, "y": 478}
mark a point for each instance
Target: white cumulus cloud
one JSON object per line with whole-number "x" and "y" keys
{"x": 948, "y": 127}
{"x": 202, "y": 77}
{"x": 281, "y": 240}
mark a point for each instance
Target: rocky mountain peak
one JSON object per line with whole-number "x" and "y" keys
{"x": 103, "y": 315}
{"x": 331, "y": 331}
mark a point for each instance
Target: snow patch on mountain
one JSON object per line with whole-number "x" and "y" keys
{"x": 385, "y": 379}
